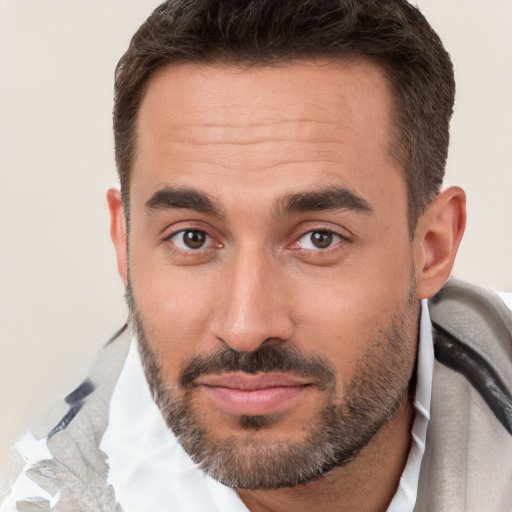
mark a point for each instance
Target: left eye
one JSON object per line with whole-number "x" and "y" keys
{"x": 191, "y": 239}
{"x": 314, "y": 240}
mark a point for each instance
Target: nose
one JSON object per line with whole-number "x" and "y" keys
{"x": 253, "y": 309}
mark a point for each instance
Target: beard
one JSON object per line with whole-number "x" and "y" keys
{"x": 343, "y": 425}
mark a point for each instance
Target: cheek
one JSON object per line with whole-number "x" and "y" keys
{"x": 348, "y": 310}
{"x": 175, "y": 312}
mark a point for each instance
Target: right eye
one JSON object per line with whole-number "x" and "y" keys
{"x": 191, "y": 240}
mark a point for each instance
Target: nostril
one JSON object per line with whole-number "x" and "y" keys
{"x": 274, "y": 340}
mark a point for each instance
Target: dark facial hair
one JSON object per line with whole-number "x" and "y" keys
{"x": 339, "y": 430}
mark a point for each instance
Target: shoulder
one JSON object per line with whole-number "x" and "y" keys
{"x": 468, "y": 455}
{"x": 67, "y": 465}
{"x": 472, "y": 329}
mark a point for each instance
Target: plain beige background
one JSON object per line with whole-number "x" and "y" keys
{"x": 60, "y": 297}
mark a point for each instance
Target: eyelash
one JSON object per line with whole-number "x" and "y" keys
{"x": 337, "y": 239}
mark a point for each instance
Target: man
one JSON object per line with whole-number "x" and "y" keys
{"x": 279, "y": 225}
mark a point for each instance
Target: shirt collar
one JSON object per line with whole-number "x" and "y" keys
{"x": 406, "y": 494}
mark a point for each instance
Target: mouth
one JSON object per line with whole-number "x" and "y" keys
{"x": 253, "y": 395}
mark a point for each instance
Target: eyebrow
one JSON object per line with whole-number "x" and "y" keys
{"x": 327, "y": 199}
{"x": 182, "y": 198}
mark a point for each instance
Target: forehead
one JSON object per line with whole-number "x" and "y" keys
{"x": 266, "y": 85}
{"x": 253, "y": 126}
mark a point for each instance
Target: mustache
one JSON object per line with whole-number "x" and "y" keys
{"x": 265, "y": 359}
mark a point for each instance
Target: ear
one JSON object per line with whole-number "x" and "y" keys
{"x": 118, "y": 231}
{"x": 437, "y": 239}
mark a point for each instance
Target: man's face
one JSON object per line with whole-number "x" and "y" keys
{"x": 271, "y": 268}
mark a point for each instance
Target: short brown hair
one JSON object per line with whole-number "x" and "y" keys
{"x": 392, "y": 33}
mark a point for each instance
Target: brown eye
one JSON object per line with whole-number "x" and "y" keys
{"x": 321, "y": 239}
{"x": 194, "y": 239}
{"x": 190, "y": 239}
{"x": 318, "y": 240}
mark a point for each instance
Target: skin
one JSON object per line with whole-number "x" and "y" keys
{"x": 247, "y": 139}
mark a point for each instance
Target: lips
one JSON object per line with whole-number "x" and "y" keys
{"x": 258, "y": 394}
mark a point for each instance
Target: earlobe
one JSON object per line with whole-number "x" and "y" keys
{"x": 118, "y": 231}
{"x": 437, "y": 240}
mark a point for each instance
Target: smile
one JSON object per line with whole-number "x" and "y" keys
{"x": 252, "y": 395}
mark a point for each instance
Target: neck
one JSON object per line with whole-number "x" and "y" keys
{"x": 366, "y": 484}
